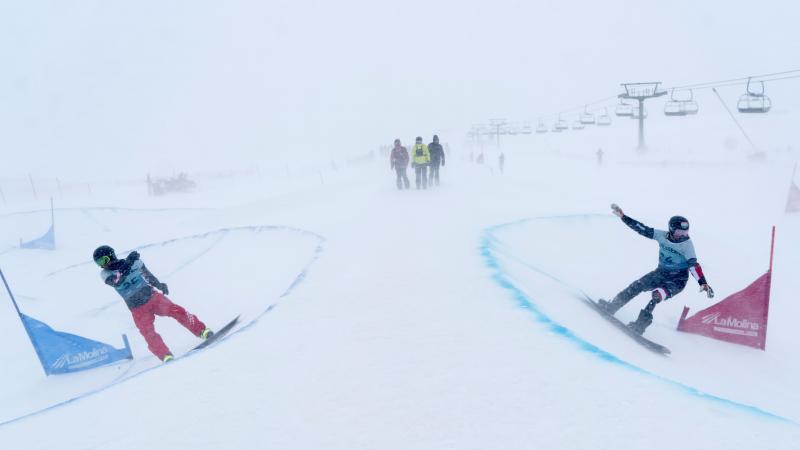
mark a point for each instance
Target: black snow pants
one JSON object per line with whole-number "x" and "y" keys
{"x": 421, "y": 171}
{"x": 434, "y": 175}
{"x": 402, "y": 178}
{"x": 672, "y": 282}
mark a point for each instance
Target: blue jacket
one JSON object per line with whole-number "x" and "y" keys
{"x": 131, "y": 279}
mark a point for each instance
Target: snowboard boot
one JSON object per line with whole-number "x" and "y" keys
{"x": 207, "y": 333}
{"x": 605, "y": 305}
{"x": 642, "y": 322}
{"x": 611, "y": 307}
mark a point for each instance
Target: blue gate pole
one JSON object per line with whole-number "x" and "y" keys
{"x": 10, "y": 294}
{"x": 24, "y": 324}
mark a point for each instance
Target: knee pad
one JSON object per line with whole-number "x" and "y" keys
{"x": 660, "y": 294}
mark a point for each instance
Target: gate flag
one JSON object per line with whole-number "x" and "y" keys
{"x": 48, "y": 241}
{"x": 741, "y": 318}
{"x": 61, "y": 352}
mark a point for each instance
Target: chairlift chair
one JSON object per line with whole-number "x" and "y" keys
{"x": 541, "y": 128}
{"x": 561, "y": 124}
{"x": 678, "y": 107}
{"x": 754, "y": 102}
{"x": 624, "y": 109}
{"x": 691, "y": 107}
{"x": 577, "y": 125}
{"x": 526, "y": 129}
{"x": 586, "y": 118}
{"x": 604, "y": 120}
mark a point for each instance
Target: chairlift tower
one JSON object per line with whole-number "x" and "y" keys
{"x": 475, "y": 133}
{"x": 641, "y": 92}
{"x": 497, "y": 124}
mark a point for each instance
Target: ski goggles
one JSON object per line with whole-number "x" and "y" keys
{"x": 103, "y": 260}
{"x": 680, "y": 233}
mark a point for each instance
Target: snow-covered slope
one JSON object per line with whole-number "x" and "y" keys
{"x": 404, "y": 326}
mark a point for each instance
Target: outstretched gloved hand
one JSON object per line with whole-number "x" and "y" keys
{"x": 707, "y": 289}
{"x": 617, "y": 210}
{"x": 163, "y": 288}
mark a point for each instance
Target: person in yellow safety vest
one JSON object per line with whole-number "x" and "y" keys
{"x": 420, "y": 158}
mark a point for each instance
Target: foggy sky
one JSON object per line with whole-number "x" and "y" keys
{"x": 130, "y": 87}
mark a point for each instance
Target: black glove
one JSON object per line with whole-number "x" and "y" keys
{"x": 123, "y": 266}
{"x": 163, "y": 288}
{"x": 133, "y": 256}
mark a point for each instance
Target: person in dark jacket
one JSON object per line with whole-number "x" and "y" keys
{"x": 676, "y": 260}
{"x": 137, "y": 286}
{"x": 399, "y": 162}
{"x": 437, "y": 158}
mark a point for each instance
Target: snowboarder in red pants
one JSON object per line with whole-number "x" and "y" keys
{"x": 137, "y": 286}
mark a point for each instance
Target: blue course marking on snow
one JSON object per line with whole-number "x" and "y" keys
{"x": 183, "y": 265}
{"x": 489, "y": 247}
{"x": 196, "y": 257}
{"x": 123, "y": 378}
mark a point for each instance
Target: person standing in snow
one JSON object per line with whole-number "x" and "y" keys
{"x": 420, "y": 158}
{"x": 437, "y": 157}
{"x": 399, "y": 162}
{"x": 137, "y": 286}
{"x": 676, "y": 260}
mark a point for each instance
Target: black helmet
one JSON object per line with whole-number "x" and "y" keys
{"x": 435, "y": 138}
{"x": 419, "y": 138}
{"x": 678, "y": 223}
{"x": 103, "y": 255}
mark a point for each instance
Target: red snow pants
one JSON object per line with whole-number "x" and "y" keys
{"x": 159, "y": 305}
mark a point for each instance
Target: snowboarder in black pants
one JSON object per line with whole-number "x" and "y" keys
{"x": 437, "y": 157}
{"x": 676, "y": 260}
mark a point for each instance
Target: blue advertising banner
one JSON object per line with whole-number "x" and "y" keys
{"x": 61, "y": 352}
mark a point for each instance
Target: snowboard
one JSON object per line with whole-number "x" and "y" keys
{"x": 647, "y": 343}
{"x": 217, "y": 335}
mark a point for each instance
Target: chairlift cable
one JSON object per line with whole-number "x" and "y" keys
{"x": 741, "y": 80}
{"x": 768, "y": 77}
{"x": 738, "y": 83}
{"x": 733, "y": 117}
